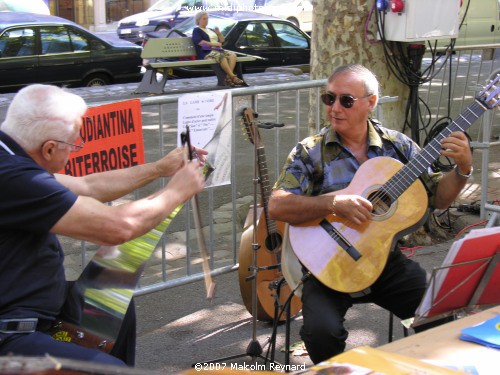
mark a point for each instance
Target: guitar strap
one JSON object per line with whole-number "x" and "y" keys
{"x": 377, "y": 125}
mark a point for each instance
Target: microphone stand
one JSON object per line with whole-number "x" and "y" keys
{"x": 254, "y": 348}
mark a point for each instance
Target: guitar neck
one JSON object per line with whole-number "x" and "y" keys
{"x": 265, "y": 187}
{"x": 398, "y": 184}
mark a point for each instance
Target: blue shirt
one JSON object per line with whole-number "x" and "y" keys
{"x": 198, "y": 36}
{"x": 321, "y": 163}
{"x": 32, "y": 280}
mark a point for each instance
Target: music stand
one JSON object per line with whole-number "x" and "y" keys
{"x": 468, "y": 278}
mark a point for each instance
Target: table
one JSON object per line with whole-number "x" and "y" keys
{"x": 442, "y": 344}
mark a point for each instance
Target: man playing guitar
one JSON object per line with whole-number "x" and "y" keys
{"x": 318, "y": 181}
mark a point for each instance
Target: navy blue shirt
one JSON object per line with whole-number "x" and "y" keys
{"x": 198, "y": 36}
{"x": 32, "y": 281}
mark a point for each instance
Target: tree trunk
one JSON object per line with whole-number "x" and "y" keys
{"x": 338, "y": 37}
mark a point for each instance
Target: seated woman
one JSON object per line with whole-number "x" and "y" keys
{"x": 208, "y": 45}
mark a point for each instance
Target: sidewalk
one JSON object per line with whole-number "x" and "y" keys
{"x": 178, "y": 327}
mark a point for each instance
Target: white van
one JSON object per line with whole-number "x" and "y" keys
{"x": 481, "y": 24}
{"x": 299, "y": 12}
{"x": 31, "y": 6}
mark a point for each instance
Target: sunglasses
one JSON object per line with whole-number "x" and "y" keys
{"x": 347, "y": 101}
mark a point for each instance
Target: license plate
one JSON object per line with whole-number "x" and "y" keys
{"x": 125, "y": 31}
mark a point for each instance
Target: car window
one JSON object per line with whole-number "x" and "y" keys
{"x": 17, "y": 42}
{"x": 224, "y": 25}
{"x": 55, "y": 39}
{"x": 289, "y": 36}
{"x": 79, "y": 42}
{"x": 255, "y": 35}
{"x": 161, "y": 5}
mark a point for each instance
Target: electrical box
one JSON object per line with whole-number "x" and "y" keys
{"x": 419, "y": 20}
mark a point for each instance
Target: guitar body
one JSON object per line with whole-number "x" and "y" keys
{"x": 269, "y": 238}
{"x": 329, "y": 262}
{"x": 268, "y": 254}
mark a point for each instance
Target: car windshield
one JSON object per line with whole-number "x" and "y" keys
{"x": 162, "y": 5}
{"x": 224, "y": 25}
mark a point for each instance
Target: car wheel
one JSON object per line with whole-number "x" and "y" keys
{"x": 294, "y": 20}
{"x": 98, "y": 79}
{"x": 162, "y": 28}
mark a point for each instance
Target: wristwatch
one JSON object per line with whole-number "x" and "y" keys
{"x": 464, "y": 175}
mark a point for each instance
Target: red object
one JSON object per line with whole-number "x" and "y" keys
{"x": 397, "y": 6}
{"x": 462, "y": 271}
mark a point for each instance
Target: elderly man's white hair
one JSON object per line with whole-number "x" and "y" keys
{"x": 39, "y": 113}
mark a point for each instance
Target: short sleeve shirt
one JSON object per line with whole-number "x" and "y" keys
{"x": 32, "y": 281}
{"x": 321, "y": 163}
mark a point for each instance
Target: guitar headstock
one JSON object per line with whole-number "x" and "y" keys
{"x": 489, "y": 96}
{"x": 249, "y": 123}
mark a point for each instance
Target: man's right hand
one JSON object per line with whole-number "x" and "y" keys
{"x": 354, "y": 208}
{"x": 188, "y": 180}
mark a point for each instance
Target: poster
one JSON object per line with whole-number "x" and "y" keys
{"x": 113, "y": 139}
{"x": 209, "y": 117}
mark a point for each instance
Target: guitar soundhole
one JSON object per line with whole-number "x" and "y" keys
{"x": 381, "y": 202}
{"x": 273, "y": 242}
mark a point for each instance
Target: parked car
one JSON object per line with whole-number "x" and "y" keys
{"x": 276, "y": 41}
{"x": 165, "y": 15}
{"x": 299, "y": 12}
{"x": 37, "y": 48}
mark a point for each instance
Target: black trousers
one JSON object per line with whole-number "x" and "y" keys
{"x": 399, "y": 289}
{"x": 41, "y": 343}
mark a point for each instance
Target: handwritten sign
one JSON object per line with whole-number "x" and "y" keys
{"x": 113, "y": 139}
{"x": 209, "y": 117}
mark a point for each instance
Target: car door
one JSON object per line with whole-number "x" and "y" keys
{"x": 18, "y": 57}
{"x": 63, "y": 54}
{"x": 255, "y": 38}
{"x": 295, "y": 45}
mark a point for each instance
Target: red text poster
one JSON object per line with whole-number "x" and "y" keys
{"x": 113, "y": 139}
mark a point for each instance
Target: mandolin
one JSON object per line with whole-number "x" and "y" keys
{"x": 270, "y": 239}
{"x": 348, "y": 257}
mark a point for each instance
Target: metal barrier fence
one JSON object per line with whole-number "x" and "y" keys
{"x": 456, "y": 84}
{"x": 225, "y": 208}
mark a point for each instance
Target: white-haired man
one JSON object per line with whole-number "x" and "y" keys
{"x": 41, "y": 129}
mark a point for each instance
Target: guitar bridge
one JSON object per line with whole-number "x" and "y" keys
{"x": 341, "y": 240}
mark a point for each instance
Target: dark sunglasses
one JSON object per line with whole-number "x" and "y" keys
{"x": 347, "y": 101}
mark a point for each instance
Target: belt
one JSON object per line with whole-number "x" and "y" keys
{"x": 361, "y": 293}
{"x": 26, "y": 325}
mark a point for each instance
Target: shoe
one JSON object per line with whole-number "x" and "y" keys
{"x": 238, "y": 82}
{"x": 229, "y": 82}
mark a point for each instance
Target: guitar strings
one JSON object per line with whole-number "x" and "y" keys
{"x": 394, "y": 183}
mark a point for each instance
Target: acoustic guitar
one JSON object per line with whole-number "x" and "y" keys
{"x": 347, "y": 257}
{"x": 270, "y": 239}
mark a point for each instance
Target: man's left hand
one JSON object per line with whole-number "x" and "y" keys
{"x": 457, "y": 147}
{"x": 174, "y": 160}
